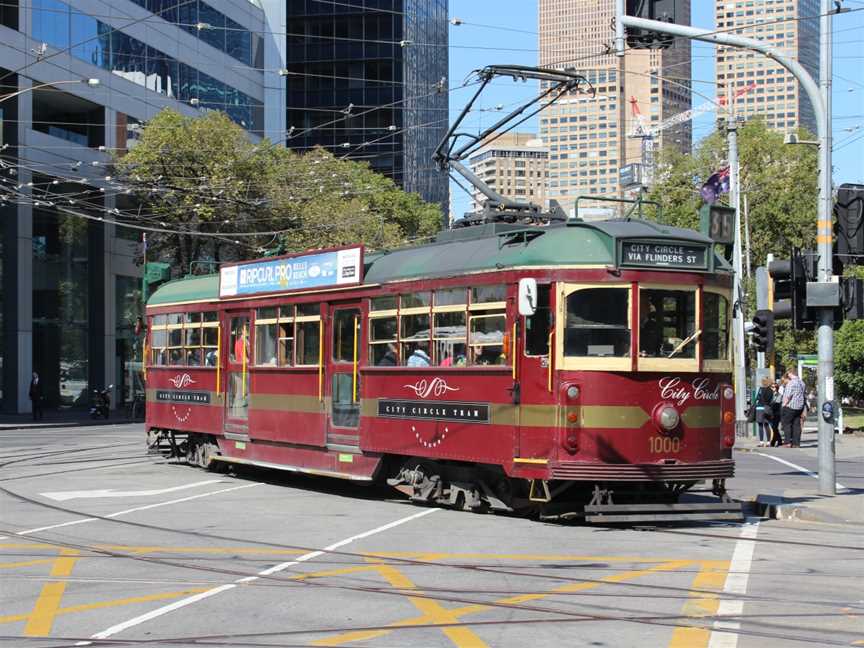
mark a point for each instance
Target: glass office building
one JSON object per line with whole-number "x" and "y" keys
{"x": 367, "y": 80}
{"x": 70, "y": 287}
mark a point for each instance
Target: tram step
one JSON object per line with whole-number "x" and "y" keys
{"x": 617, "y": 513}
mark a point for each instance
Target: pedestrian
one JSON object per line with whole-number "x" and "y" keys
{"x": 36, "y": 396}
{"x": 793, "y": 407}
{"x": 764, "y": 398}
{"x": 776, "y": 403}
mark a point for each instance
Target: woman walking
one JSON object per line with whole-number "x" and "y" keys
{"x": 764, "y": 398}
{"x": 776, "y": 438}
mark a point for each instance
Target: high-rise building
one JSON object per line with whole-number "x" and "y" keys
{"x": 587, "y": 133}
{"x": 368, "y": 81}
{"x": 77, "y": 78}
{"x": 514, "y": 165}
{"x": 791, "y": 26}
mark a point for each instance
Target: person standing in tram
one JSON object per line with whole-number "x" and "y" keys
{"x": 389, "y": 359}
{"x": 418, "y": 359}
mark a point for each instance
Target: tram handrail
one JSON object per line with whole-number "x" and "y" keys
{"x": 551, "y": 359}
{"x": 219, "y": 359}
{"x": 513, "y": 351}
{"x": 320, "y": 360}
{"x": 354, "y": 368}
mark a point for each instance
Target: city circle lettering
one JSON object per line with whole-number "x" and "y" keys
{"x": 655, "y": 254}
{"x": 439, "y": 411}
{"x": 673, "y": 389}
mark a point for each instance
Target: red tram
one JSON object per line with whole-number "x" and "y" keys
{"x": 573, "y": 369}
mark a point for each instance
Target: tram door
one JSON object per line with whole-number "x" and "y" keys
{"x": 535, "y": 376}
{"x": 236, "y": 374}
{"x": 342, "y": 379}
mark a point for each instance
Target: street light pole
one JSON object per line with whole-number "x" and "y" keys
{"x": 737, "y": 293}
{"x": 89, "y": 82}
{"x": 821, "y": 108}
{"x": 825, "y": 246}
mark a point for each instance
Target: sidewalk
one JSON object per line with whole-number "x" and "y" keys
{"x": 60, "y": 418}
{"x": 847, "y": 507}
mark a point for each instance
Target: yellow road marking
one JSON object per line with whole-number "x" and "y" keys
{"x": 710, "y": 581}
{"x": 454, "y": 615}
{"x": 41, "y": 618}
{"x": 114, "y": 603}
{"x": 26, "y": 563}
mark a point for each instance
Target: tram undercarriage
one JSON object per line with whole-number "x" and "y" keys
{"x": 481, "y": 488}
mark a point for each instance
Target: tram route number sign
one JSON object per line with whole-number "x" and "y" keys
{"x": 178, "y": 396}
{"x": 664, "y": 255}
{"x": 434, "y": 410}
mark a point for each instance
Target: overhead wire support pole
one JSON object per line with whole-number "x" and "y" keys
{"x": 821, "y": 108}
{"x": 737, "y": 292}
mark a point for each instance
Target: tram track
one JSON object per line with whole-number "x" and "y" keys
{"x": 448, "y": 595}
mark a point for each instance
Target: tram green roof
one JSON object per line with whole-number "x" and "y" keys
{"x": 481, "y": 249}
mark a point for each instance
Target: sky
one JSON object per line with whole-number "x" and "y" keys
{"x": 495, "y": 32}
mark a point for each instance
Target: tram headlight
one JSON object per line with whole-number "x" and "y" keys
{"x": 669, "y": 418}
{"x": 572, "y": 392}
{"x": 728, "y": 393}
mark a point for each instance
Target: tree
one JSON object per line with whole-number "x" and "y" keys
{"x": 204, "y": 179}
{"x": 779, "y": 180}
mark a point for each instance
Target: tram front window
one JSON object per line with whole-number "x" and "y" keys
{"x": 667, "y": 323}
{"x": 598, "y": 323}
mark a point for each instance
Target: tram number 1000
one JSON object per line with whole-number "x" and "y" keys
{"x": 663, "y": 445}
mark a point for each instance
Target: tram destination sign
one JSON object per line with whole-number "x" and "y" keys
{"x": 301, "y": 272}
{"x": 648, "y": 254}
{"x": 434, "y": 410}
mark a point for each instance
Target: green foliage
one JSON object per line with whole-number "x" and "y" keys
{"x": 849, "y": 359}
{"x": 779, "y": 180}
{"x": 205, "y": 180}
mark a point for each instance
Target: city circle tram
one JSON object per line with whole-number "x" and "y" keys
{"x": 580, "y": 369}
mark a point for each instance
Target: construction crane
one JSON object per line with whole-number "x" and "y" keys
{"x": 642, "y": 129}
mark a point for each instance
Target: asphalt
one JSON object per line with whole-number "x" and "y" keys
{"x": 796, "y": 498}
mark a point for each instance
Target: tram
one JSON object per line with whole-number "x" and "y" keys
{"x": 572, "y": 369}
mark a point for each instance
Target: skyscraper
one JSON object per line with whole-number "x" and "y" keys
{"x": 587, "y": 134}
{"x": 791, "y": 26}
{"x": 368, "y": 81}
{"x": 514, "y": 165}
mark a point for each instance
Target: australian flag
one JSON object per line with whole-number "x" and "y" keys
{"x": 717, "y": 184}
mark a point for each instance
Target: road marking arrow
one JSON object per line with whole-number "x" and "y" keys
{"x": 62, "y": 496}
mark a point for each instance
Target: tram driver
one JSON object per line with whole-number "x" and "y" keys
{"x": 650, "y": 331}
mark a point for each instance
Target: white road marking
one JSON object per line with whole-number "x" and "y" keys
{"x": 62, "y": 496}
{"x": 108, "y": 632}
{"x": 132, "y": 510}
{"x": 723, "y": 635}
{"x": 798, "y": 468}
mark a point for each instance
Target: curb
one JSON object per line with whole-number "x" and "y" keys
{"x": 64, "y": 424}
{"x": 777, "y": 508}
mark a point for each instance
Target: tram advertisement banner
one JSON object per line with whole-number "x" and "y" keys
{"x": 647, "y": 254}
{"x": 317, "y": 270}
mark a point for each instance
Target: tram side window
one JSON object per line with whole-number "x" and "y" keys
{"x": 414, "y": 340}
{"x": 307, "y": 335}
{"x": 238, "y": 343}
{"x": 210, "y": 339}
{"x": 667, "y": 323}
{"x": 715, "y": 337}
{"x": 538, "y": 325}
{"x": 285, "y": 337}
{"x": 383, "y": 351}
{"x": 175, "y": 339}
{"x": 158, "y": 340}
{"x": 449, "y": 339}
{"x": 597, "y": 323}
{"x": 266, "y": 332}
{"x": 192, "y": 343}
{"x": 486, "y": 338}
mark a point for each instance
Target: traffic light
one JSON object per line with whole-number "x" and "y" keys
{"x": 662, "y": 10}
{"x": 852, "y": 290}
{"x": 763, "y": 332}
{"x": 790, "y": 291}
{"x": 849, "y": 227}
